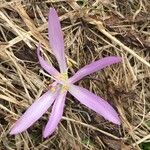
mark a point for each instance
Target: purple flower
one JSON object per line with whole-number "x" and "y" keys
{"x": 58, "y": 90}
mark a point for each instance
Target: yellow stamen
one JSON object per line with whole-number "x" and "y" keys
{"x": 63, "y": 76}
{"x": 52, "y": 89}
{"x": 65, "y": 88}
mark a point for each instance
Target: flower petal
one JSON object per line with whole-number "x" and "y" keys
{"x": 56, "y": 115}
{"x": 93, "y": 67}
{"x": 95, "y": 103}
{"x": 34, "y": 112}
{"x": 49, "y": 68}
{"x": 56, "y": 39}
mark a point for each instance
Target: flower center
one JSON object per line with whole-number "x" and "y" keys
{"x": 63, "y": 78}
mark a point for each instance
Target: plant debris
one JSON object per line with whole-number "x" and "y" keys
{"x": 92, "y": 30}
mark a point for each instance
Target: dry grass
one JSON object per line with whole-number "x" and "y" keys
{"x": 92, "y": 29}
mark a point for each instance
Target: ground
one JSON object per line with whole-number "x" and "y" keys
{"x": 92, "y": 29}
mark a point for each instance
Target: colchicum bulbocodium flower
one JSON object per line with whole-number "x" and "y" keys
{"x": 62, "y": 84}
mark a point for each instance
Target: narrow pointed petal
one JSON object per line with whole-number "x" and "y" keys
{"x": 34, "y": 112}
{"x": 93, "y": 67}
{"x": 56, "y": 39}
{"x": 47, "y": 67}
{"x": 56, "y": 115}
{"x": 95, "y": 103}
